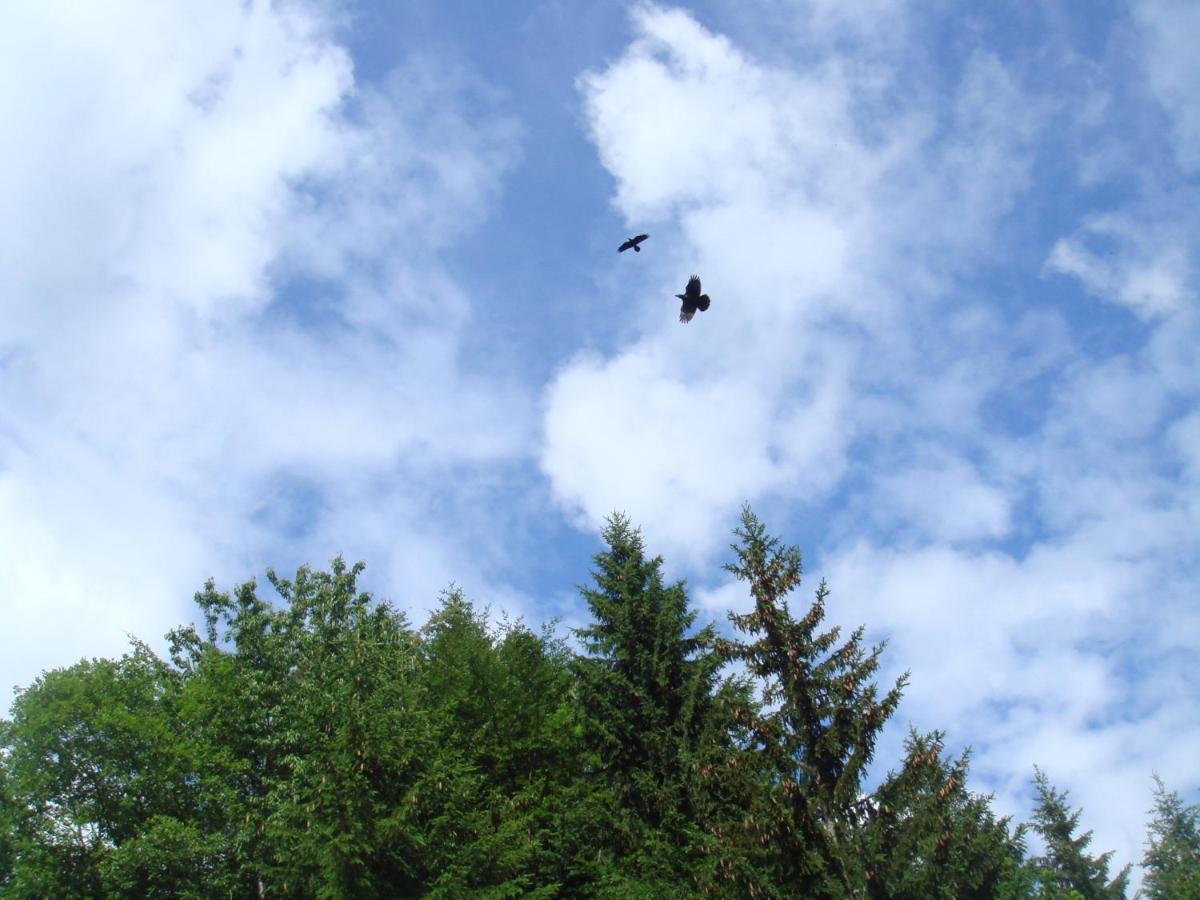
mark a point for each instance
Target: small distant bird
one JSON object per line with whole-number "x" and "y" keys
{"x": 692, "y": 300}
{"x": 633, "y": 242}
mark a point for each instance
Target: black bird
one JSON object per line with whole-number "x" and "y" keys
{"x": 692, "y": 300}
{"x": 633, "y": 242}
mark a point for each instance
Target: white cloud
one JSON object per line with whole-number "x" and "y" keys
{"x": 673, "y": 449}
{"x": 1037, "y": 661}
{"x": 219, "y": 275}
{"x": 943, "y": 498}
{"x": 872, "y": 18}
{"x": 826, "y": 246}
{"x": 1126, "y": 262}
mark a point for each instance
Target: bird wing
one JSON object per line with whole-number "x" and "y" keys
{"x": 693, "y": 289}
{"x": 638, "y": 239}
{"x": 625, "y": 246}
{"x": 686, "y": 312}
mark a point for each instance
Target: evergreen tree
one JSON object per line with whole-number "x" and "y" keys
{"x": 537, "y": 804}
{"x": 506, "y": 752}
{"x": 646, "y": 688}
{"x": 1172, "y": 859}
{"x": 817, "y": 728}
{"x": 1066, "y": 870}
{"x": 927, "y": 836}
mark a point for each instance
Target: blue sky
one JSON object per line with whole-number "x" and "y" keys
{"x": 284, "y": 281}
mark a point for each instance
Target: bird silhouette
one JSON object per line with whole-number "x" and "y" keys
{"x": 633, "y": 242}
{"x": 692, "y": 300}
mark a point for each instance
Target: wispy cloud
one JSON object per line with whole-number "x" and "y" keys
{"x": 1126, "y": 262}
{"x": 827, "y": 245}
{"x": 227, "y": 337}
{"x": 1173, "y": 70}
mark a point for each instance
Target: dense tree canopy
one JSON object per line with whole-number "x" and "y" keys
{"x": 319, "y": 745}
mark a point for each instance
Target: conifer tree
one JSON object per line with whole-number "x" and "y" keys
{"x": 323, "y": 748}
{"x": 1172, "y": 859}
{"x": 818, "y": 725}
{"x": 927, "y": 836}
{"x": 531, "y": 756}
{"x": 1066, "y": 870}
{"x": 646, "y": 688}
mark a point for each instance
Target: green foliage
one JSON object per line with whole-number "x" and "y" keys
{"x": 165, "y": 858}
{"x": 319, "y": 746}
{"x": 1172, "y": 857}
{"x": 10, "y": 818}
{"x": 927, "y": 836}
{"x": 505, "y": 749}
{"x": 1066, "y": 870}
{"x": 817, "y": 729}
{"x": 646, "y": 691}
{"x": 349, "y": 738}
{"x": 92, "y": 753}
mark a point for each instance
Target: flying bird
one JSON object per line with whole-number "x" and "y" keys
{"x": 692, "y": 300}
{"x": 633, "y": 242}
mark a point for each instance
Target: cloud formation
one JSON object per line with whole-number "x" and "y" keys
{"x": 1172, "y": 69}
{"x": 227, "y": 336}
{"x": 827, "y": 244}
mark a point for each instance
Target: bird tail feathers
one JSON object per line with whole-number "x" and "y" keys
{"x": 703, "y": 302}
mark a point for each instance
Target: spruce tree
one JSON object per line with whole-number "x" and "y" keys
{"x": 235, "y": 676}
{"x": 646, "y": 685}
{"x": 1066, "y": 870}
{"x": 927, "y": 836}
{"x": 311, "y": 733}
{"x": 817, "y": 727}
{"x": 1172, "y": 859}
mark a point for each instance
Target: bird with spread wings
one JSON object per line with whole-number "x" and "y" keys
{"x": 633, "y": 243}
{"x": 692, "y": 300}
